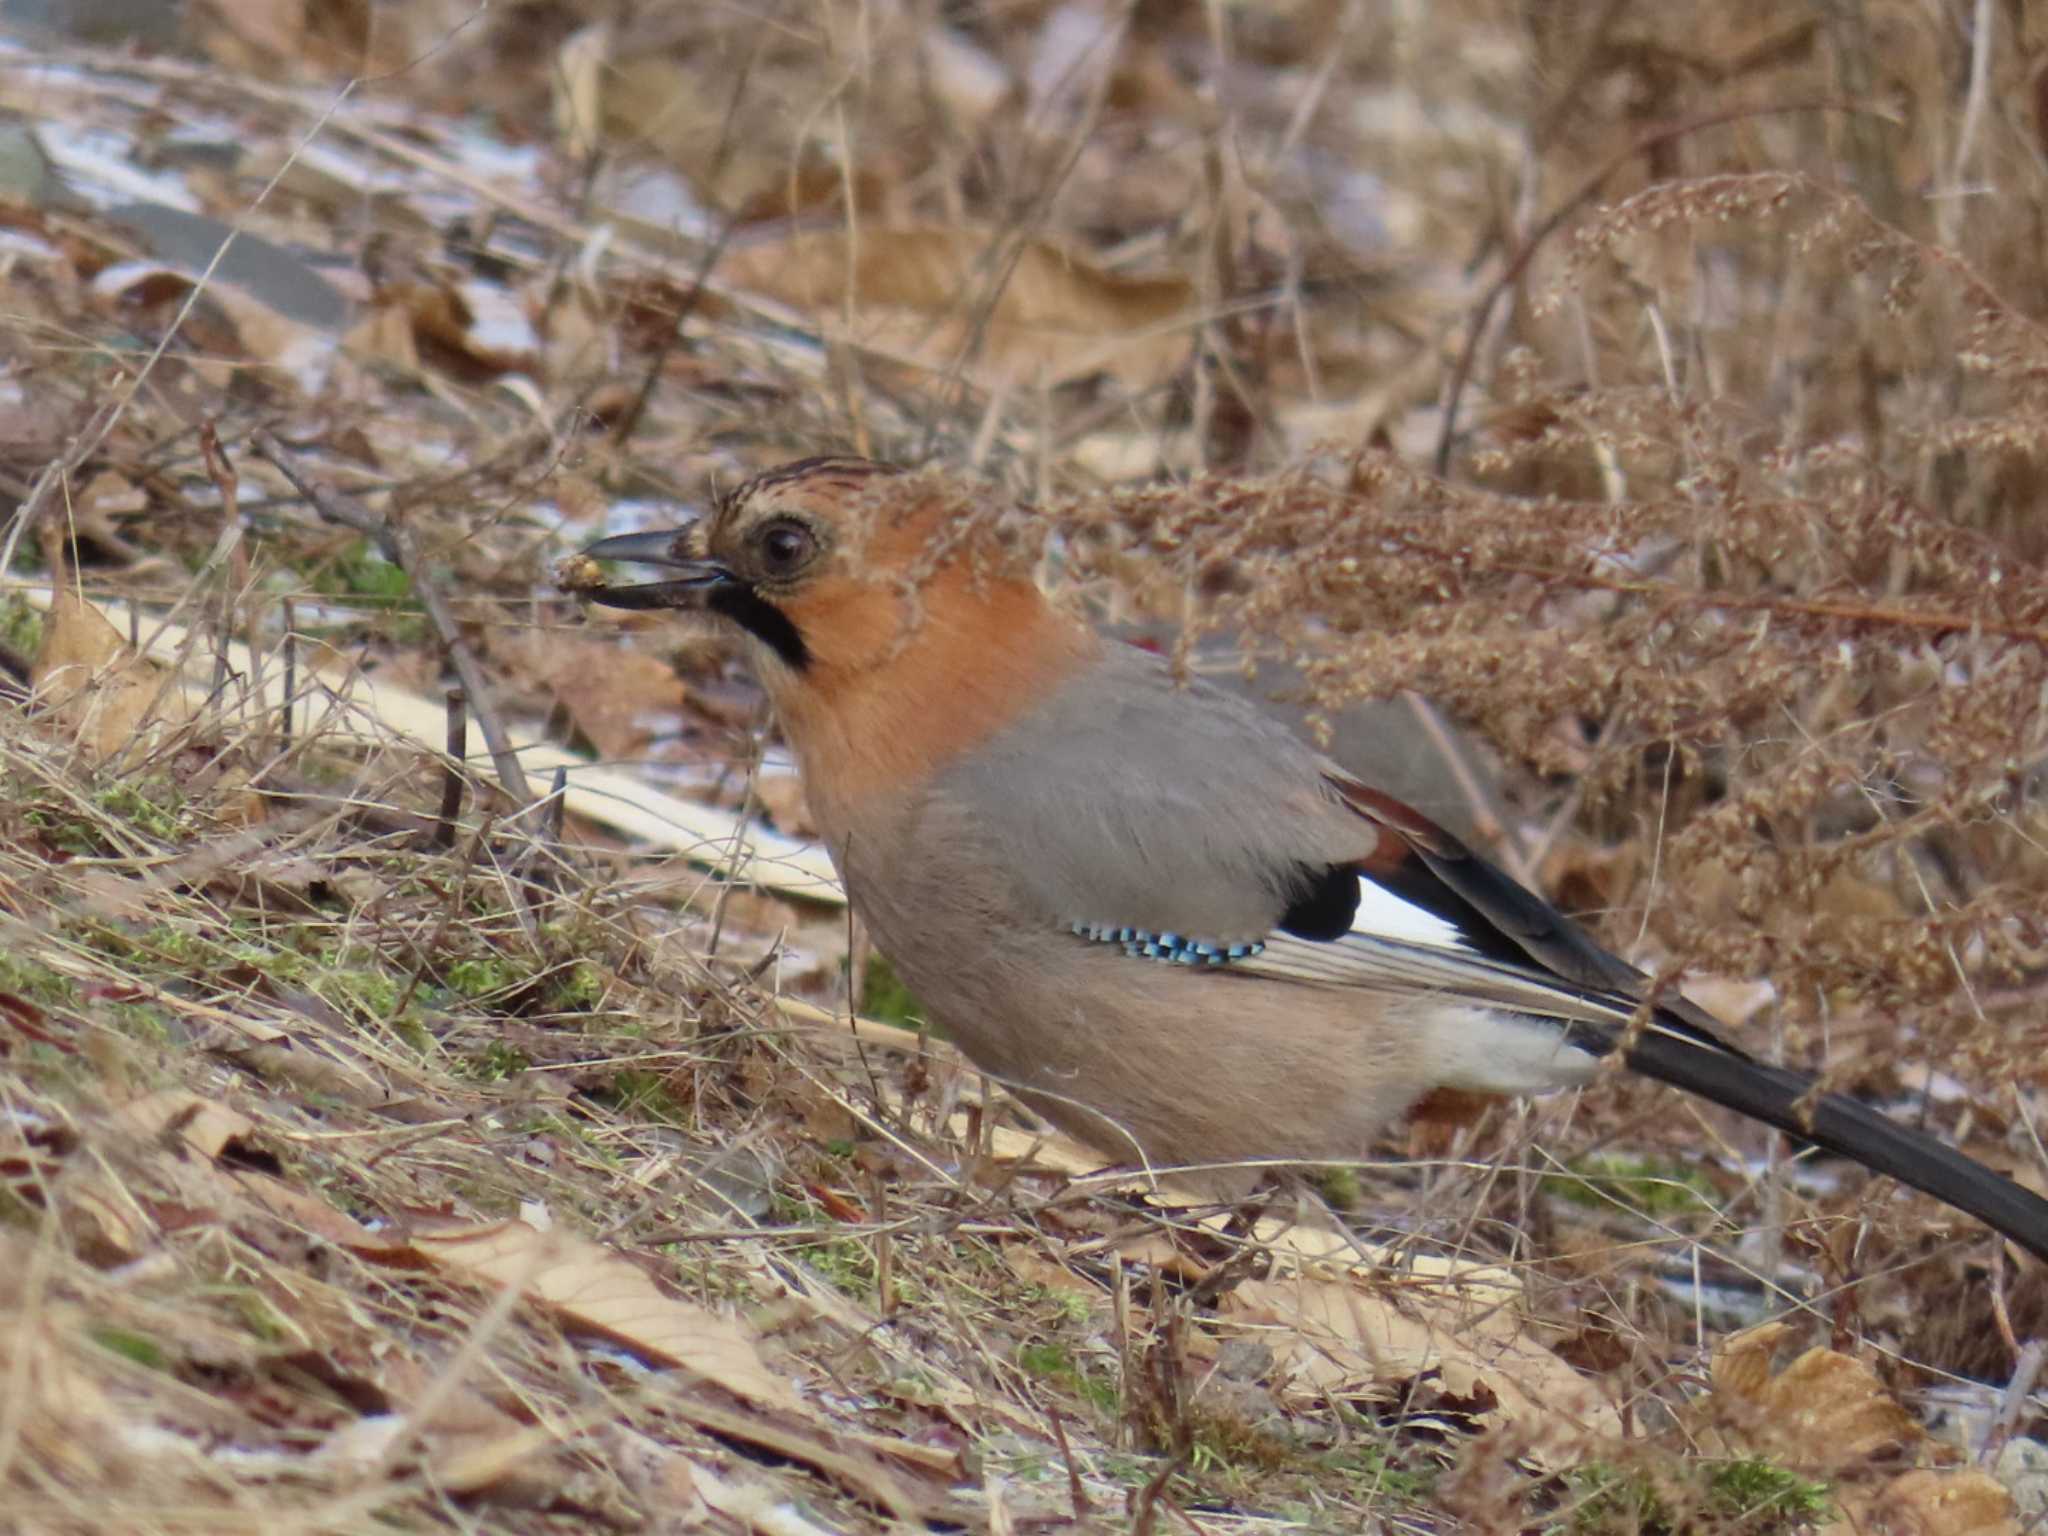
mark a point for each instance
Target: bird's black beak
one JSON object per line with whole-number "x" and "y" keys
{"x": 695, "y": 580}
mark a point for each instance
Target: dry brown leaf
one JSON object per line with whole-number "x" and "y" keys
{"x": 200, "y": 1122}
{"x": 110, "y": 897}
{"x": 832, "y": 1454}
{"x": 602, "y": 1290}
{"x": 759, "y": 1508}
{"x": 619, "y": 697}
{"x": 384, "y": 335}
{"x": 275, "y": 342}
{"x": 314, "y": 1215}
{"x": 1034, "y": 1268}
{"x": 925, "y": 293}
{"x": 659, "y": 1478}
{"x": 209, "y": 1127}
{"x": 293, "y": 37}
{"x": 1824, "y": 1409}
{"x": 93, "y": 509}
{"x": 650, "y": 101}
{"x": 317, "y": 1062}
{"x": 1929, "y": 1503}
{"x": 231, "y": 319}
{"x": 968, "y": 79}
{"x": 64, "y": 1416}
{"x": 1334, "y": 1335}
{"x": 475, "y": 327}
{"x": 104, "y": 1221}
{"x": 1157, "y": 1250}
{"x": 97, "y": 692}
{"x": 474, "y": 1446}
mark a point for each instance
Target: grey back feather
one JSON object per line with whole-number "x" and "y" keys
{"x": 1127, "y": 798}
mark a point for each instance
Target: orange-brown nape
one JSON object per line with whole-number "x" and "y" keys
{"x": 918, "y": 632}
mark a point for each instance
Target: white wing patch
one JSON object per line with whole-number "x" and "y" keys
{"x": 1383, "y": 915}
{"x": 1397, "y": 948}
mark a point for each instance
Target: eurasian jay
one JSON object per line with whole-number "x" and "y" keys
{"x": 1152, "y": 912}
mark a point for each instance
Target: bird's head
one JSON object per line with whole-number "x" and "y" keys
{"x": 852, "y": 581}
{"x": 790, "y": 558}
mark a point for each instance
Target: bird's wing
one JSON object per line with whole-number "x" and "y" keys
{"x": 1182, "y": 823}
{"x": 1433, "y": 916}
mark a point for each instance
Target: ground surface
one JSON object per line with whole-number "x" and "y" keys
{"x": 1638, "y": 414}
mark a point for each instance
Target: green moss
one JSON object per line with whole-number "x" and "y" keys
{"x": 1340, "y": 1186}
{"x": 1234, "y": 1447}
{"x": 1752, "y": 1486}
{"x": 205, "y": 952}
{"x": 184, "y": 947}
{"x": 260, "y": 1317}
{"x": 1750, "y": 1494}
{"x": 21, "y": 627}
{"x": 575, "y": 986}
{"x": 65, "y": 833}
{"x": 495, "y": 1063}
{"x": 360, "y": 570}
{"x": 130, "y": 1345}
{"x": 36, "y": 982}
{"x": 412, "y": 1029}
{"x": 884, "y": 996}
{"x": 1053, "y": 1362}
{"x": 1072, "y": 1306}
{"x": 1604, "y": 1498}
{"x": 357, "y": 984}
{"x": 570, "y": 1128}
{"x": 485, "y": 977}
{"x": 361, "y": 576}
{"x": 645, "y": 1096}
{"x": 1379, "y": 1473}
{"x": 143, "y": 1022}
{"x": 1657, "y": 1189}
{"x": 1047, "y": 1361}
{"x": 845, "y": 1263}
{"x": 155, "y": 807}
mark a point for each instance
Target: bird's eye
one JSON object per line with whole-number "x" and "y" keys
{"x": 785, "y": 547}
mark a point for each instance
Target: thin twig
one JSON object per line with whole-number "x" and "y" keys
{"x": 451, "y": 770}
{"x": 1555, "y": 219}
{"x": 1795, "y": 607}
{"x": 1144, "y": 1503}
{"x": 537, "y": 872}
{"x": 291, "y": 675}
{"x": 402, "y": 549}
{"x": 557, "y": 812}
{"x": 2013, "y": 1402}
{"x": 54, "y": 474}
{"x": 1076, "y": 1492}
{"x": 1933, "y": 621}
{"x": 235, "y": 548}
{"x": 629, "y": 419}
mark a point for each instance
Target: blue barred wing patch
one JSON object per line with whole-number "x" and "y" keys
{"x": 1174, "y": 948}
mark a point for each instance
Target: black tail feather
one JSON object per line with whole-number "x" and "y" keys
{"x": 1785, "y": 1099}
